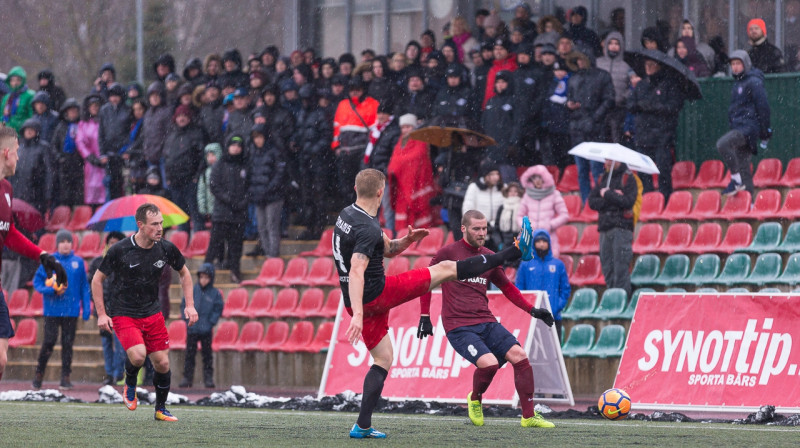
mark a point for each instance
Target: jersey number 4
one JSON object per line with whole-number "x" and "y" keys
{"x": 337, "y": 252}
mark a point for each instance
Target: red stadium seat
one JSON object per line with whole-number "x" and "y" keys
{"x": 198, "y": 245}
{"x": 35, "y": 307}
{"x": 236, "y": 303}
{"x": 678, "y": 239}
{"x": 450, "y": 239}
{"x": 739, "y": 235}
{"x": 252, "y": 332}
{"x": 300, "y": 338}
{"x": 18, "y": 302}
{"x": 47, "y": 242}
{"x": 324, "y": 247}
{"x": 91, "y": 245}
{"x": 180, "y": 239}
{"x": 25, "y": 333}
{"x": 736, "y": 206}
{"x": 791, "y": 207}
{"x": 768, "y": 173}
{"x": 296, "y": 272}
{"x": 707, "y": 239}
{"x": 260, "y": 303}
{"x": 59, "y": 219}
{"x": 177, "y": 335}
{"x": 707, "y": 206}
{"x": 554, "y": 172}
{"x": 398, "y": 265}
{"x": 285, "y": 303}
{"x": 766, "y": 206}
{"x": 587, "y": 214}
{"x": 791, "y": 178}
{"x": 320, "y": 272}
{"x": 567, "y": 238}
{"x": 225, "y": 338}
{"x": 422, "y": 262}
{"x": 322, "y": 339}
{"x": 711, "y": 175}
{"x": 648, "y": 239}
{"x": 683, "y": 174}
{"x": 588, "y": 272}
{"x": 652, "y": 206}
{"x": 428, "y": 245}
{"x": 331, "y": 306}
{"x": 81, "y": 217}
{"x": 310, "y": 303}
{"x": 511, "y": 273}
{"x": 574, "y": 205}
{"x": 270, "y": 274}
{"x": 568, "y": 264}
{"x": 569, "y": 179}
{"x": 678, "y": 207}
{"x": 276, "y": 335}
{"x": 589, "y": 242}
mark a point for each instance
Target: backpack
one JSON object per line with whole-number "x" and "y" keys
{"x": 637, "y": 206}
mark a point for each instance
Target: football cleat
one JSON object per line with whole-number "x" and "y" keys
{"x": 537, "y": 421}
{"x": 163, "y": 415}
{"x": 475, "y": 410}
{"x": 525, "y": 241}
{"x": 129, "y": 397}
{"x": 369, "y": 433}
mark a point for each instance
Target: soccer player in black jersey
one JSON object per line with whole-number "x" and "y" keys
{"x": 134, "y": 312}
{"x": 359, "y": 246}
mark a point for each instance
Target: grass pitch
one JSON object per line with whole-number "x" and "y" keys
{"x": 100, "y": 425}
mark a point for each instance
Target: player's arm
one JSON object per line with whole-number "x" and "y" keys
{"x": 20, "y": 244}
{"x": 358, "y": 264}
{"x": 425, "y": 326}
{"x": 396, "y": 247}
{"x": 513, "y": 294}
{"x": 103, "y": 321}
{"x": 188, "y": 293}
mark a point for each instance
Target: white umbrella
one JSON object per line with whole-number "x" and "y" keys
{"x": 600, "y": 152}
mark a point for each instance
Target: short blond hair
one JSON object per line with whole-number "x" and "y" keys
{"x": 7, "y": 136}
{"x": 466, "y": 220}
{"x": 368, "y": 182}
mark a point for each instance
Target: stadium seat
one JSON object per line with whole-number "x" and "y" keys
{"x": 276, "y": 335}
{"x": 678, "y": 239}
{"x": 791, "y": 242}
{"x": 707, "y": 239}
{"x": 738, "y": 290}
{"x": 180, "y": 239}
{"x": 320, "y": 272}
{"x": 324, "y": 246}
{"x": 706, "y": 290}
{"x": 511, "y": 273}
{"x": 675, "y": 290}
{"x": 588, "y": 272}
{"x": 645, "y": 270}
{"x": 648, "y": 239}
{"x": 198, "y": 244}
{"x": 737, "y": 206}
{"x": 706, "y": 269}
{"x": 177, "y": 334}
{"x": 791, "y": 206}
{"x": 310, "y": 303}
{"x": 235, "y": 304}
{"x": 80, "y": 217}
{"x": 766, "y": 270}
{"x": 428, "y": 245}
{"x": 25, "y": 333}
{"x": 711, "y": 175}
{"x": 678, "y": 207}
{"x": 296, "y": 272}
{"x": 568, "y": 264}
{"x": 791, "y": 178}
{"x": 631, "y": 308}
{"x": 225, "y": 337}
{"x": 767, "y": 239}
{"x": 331, "y": 305}
{"x": 397, "y": 265}
{"x": 768, "y": 173}
{"x": 322, "y": 340}
{"x": 270, "y": 274}
{"x": 252, "y": 332}
{"x": 739, "y": 234}
{"x": 260, "y": 303}
{"x": 582, "y": 305}
{"x": 300, "y": 338}
{"x": 770, "y": 290}
{"x": 574, "y": 204}
{"x": 59, "y": 219}
{"x": 589, "y": 242}
{"x": 652, "y": 206}
{"x": 579, "y": 341}
{"x": 587, "y": 214}
{"x": 676, "y": 268}
{"x": 736, "y": 269}
{"x": 610, "y": 343}
{"x": 18, "y": 302}
{"x": 567, "y": 238}
{"x": 683, "y": 173}
{"x": 569, "y": 179}
{"x": 422, "y": 262}
{"x": 91, "y": 245}
{"x": 47, "y": 242}
{"x": 791, "y": 275}
{"x": 611, "y": 305}
{"x": 35, "y": 306}
{"x": 285, "y": 303}
{"x": 766, "y": 205}
{"x": 707, "y": 206}
{"x": 449, "y": 240}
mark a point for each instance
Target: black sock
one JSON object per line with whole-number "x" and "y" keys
{"x": 162, "y": 382}
{"x": 475, "y": 266}
{"x": 373, "y": 386}
{"x": 131, "y": 373}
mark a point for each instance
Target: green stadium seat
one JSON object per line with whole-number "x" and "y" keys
{"x": 738, "y": 290}
{"x": 791, "y": 242}
{"x": 645, "y": 270}
{"x": 767, "y": 239}
{"x": 579, "y": 341}
{"x": 631, "y": 308}
{"x": 676, "y": 268}
{"x": 610, "y": 343}
{"x": 736, "y": 269}
{"x": 766, "y": 270}
{"x": 770, "y": 290}
{"x": 612, "y": 304}
{"x": 791, "y": 275}
{"x": 705, "y": 270}
{"x": 675, "y": 290}
{"x": 707, "y": 291}
{"x": 582, "y": 305}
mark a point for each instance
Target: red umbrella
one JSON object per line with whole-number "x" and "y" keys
{"x": 26, "y": 216}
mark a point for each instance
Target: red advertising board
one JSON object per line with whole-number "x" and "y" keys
{"x": 427, "y": 369}
{"x": 713, "y": 351}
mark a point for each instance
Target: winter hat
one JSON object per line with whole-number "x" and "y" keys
{"x": 287, "y": 85}
{"x": 385, "y": 107}
{"x": 116, "y": 89}
{"x": 63, "y": 235}
{"x": 172, "y": 77}
{"x": 453, "y": 70}
{"x": 347, "y": 58}
{"x": 549, "y": 48}
{"x": 502, "y": 42}
{"x": 214, "y": 148}
{"x": 228, "y": 99}
{"x": 240, "y": 92}
{"x": 183, "y": 109}
{"x": 761, "y": 24}
{"x": 408, "y": 119}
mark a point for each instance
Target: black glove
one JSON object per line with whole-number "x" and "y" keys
{"x": 425, "y": 327}
{"x": 94, "y": 160}
{"x": 51, "y": 265}
{"x": 543, "y": 315}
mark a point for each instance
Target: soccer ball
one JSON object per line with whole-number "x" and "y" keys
{"x": 614, "y": 404}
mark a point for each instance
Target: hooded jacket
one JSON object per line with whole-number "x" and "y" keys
{"x": 164, "y": 59}
{"x": 549, "y": 212}
{"x": 49, "y": 119}
{"x": 156, "y": 124}
{"x": 456, "y": 102}
{"x": 616, "y": 67}
{"x": 749, "y": 111}
{"x": 546, "y": 273}
{"x": 694, "y": 61}
{"x": 500, "y": 121}
{"x": 76, "y": 299}
{"x": 115, "y": 127}
{"x": 229, "y": 184}
{"x": 207, "y": 301}
{"x": 314, "y": 134}
{"x": 280, "y": 121}
{"x": 594, "y": 90}
{"x": 656, "y": 104}
{"x": 16, "y": 105}
{"x": 183, "y": 155}
{"x": 57, "y": 95}
{"x": 33, "y": 179}
{"x": 235, "y": 76}
{"x": 200, "y": 79}
{"x": 68, "y": 163}
{"x": 615, "y": 210}
{"x": 205, "y": 200}
{"x": 508, "y": 64}
{"x": 267, "y": 170}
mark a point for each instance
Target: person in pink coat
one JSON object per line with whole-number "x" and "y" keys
{"x": 542, "y": 203}
{"x": 86, "y": 140}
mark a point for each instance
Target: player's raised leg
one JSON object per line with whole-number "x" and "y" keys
{"x": 161, "y": 381}
{"x": 373, "y": 386}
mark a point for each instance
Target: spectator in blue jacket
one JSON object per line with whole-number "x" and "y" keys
{"x": 208, "y": 303}
{"x": 545, "y": 273}
{"x": 62, "y": 308}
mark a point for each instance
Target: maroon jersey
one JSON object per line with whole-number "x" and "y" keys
{"x": 9, "y": 235}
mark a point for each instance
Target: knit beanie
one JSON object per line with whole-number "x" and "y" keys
{"x": 761, "y": 24}
{"x": 63, "y": 235}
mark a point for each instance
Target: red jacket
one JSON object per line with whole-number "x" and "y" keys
{"x": 508, "y": 64}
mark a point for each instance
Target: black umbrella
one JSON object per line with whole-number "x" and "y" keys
{"x": 687, "y": 80}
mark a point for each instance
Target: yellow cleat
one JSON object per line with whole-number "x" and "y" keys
{"x": 165, "y": 416}
{"x": 475, "y": 410}
{"x": 537, "y": 421}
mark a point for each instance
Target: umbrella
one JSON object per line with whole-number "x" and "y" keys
{"x": 26, "y": 216}
{"x": 119, "y": 213}
{"x": 453, "y": 131}
{"x": 600, "y": 152}
{"x": 685, "y": 77}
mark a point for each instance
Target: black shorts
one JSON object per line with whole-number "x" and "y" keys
{"x": 474, "y": 341}
{"x": 6, "y": 332}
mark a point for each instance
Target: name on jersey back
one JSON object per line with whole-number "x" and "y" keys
{"x": 343, "y": 226}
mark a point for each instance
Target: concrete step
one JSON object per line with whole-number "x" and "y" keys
{"x": 82, "y": 372}
{"x": 79, "y": 354}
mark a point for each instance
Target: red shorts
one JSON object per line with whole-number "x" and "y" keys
{"x": 397, "y": 290}
{"x": 150, "y": 331}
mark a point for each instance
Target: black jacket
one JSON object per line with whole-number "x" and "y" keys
{"x": 655, "y": 103}
{"x": 183, "y": 155}
{"x": 529, "y": 83}
{"x": 314, "y": 134}
{"x": 68, "y": 167}
{"x": 594, "y": 89}
{"x": 115, "y": 127}
{"x": 239, "y": 123}
{"x": 419, "y": 103}
{"x": 281, "y": 124}
{"x": 615, "y": 210}
{"x": 767, "y": 58}
{"x": 33, "y": 180}
{"x": 456, "y": 102}
{"x": 267, "y": 173}
{"x": 229, "y": 185}
{"x": 500, "y": 122}
{"x": 157, "y": 122}
{"x": 210, "y": 118}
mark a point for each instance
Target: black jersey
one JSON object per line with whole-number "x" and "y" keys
{"x": 137, "y": 273}
{"x": 358, "y": 232}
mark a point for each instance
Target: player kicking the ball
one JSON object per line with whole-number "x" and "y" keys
{"x": 473, "y": 330}
{"x": 359, "y": 246}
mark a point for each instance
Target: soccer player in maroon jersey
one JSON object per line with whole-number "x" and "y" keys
{"x": 11, "y": 237}
{"x": 473, "y": 330}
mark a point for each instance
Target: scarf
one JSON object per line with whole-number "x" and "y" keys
{"x": 539, "y": 193}
{"x": 69, "y": 140}
{"x": 507, "y": 222}
{"x": 11, "y": 105}
{"x": 374, "y": 135}
{"x": 132, "y": 136}
{"x": 459, "y": 41}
